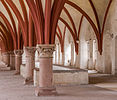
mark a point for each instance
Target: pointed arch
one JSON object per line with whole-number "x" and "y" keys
{"x": 89, "y": 20}
{"x": 20, "y": 20}
{"x": 55, "y": 14}
{"x": 71, "y": 20}
{"x": 10, "y": 29}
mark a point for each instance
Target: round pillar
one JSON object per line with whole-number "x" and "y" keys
{"x": 90, "y": 63}
{"x": 77, "y": 60}
{"x": 12, "y": 60}
{"x": 99, "y": 63}
{"x": 0, "y": 54}
{"x": 63, "y": 58}
{"x": 72, "y": 54}
{"x": 18, "y": 60}
{"x": 30, "y": 63}
{"x": 45, "y": 72}
{"x": 6, "y": 58}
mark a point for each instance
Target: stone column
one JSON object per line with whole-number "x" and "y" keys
{"x": 90, "y": 65}
{"x": 12, "y": 60}
{"x": 107, "y": 51}
{"x": 45, "y": 73}
{"x": 6, "y": 58}
{"x": 30, "y": 63}
{"x": 72, "y": 53}
{"x": 55, "y": 57}
{"x": 59, "y": 50}
{"x": 113, "y": 56}
{"x": 83, "y": 54}
{"x": 63, "y": 58}
{"x": 77, "y": 61}
{"x": 0, "y": 54}
{"x": 18, "y": 60}
{"x": 99, "y": 63}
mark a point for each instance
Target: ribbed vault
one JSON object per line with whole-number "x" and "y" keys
{"x": 24, "y": 18}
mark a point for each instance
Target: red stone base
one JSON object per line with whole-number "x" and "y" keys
{"x": 46, "y": 91}
{"x": 17, "y": 73}
{"x": 12, "y": 68}
{"x": 28, "y": 81}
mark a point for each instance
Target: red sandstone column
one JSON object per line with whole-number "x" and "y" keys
{"x": 45, "y": 73}
{"x": 6, "y": 58}
{"x": 12, "y": 60}
{"x": 63, "y": 58}
{"x": 0, "y": 55}
{"x": 18, "y": 60}
{"x": 30, "y": 63}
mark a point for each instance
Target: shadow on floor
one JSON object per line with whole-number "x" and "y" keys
{"x": 100, "y": 78}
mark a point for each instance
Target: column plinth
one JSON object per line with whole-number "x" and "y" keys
{"x": 18, "y": 60}
{"x": 46, "y": 72}
{"x": 30, "y": 64}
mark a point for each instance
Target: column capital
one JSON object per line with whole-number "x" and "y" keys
{"x": 46, "y": 50}
{"x": 11, "y": 52}
{"x": 18, "y": 52}
{"x": 5, "y": 53}
{"x": 30, "y": 50}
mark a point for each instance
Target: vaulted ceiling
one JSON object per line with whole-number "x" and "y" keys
{"x": 85, "y": 5}
{"x": 95, "y": 11}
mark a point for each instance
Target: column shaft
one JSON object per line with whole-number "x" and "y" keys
{"x": 99, "y": 63}
{"x": 45, "y": 73}
{"x": 90, "y": 65}
{"x": 72, "y": 54}
{"x": 63, "y": 58}
{"x": 30, "y": 63}
{"x": 18, "y": 60}
{"x": 12, "y": 60}
{"x": 6, "y": 58}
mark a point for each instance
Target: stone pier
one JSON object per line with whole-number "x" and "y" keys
{"x": 6, "y": 58}
{"x": 45, "y": 73}
{"x": 30, "y": 63}
{"x": 18, "y": 60}
{"x": 12, "y": 60}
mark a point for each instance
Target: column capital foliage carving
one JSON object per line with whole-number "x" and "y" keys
{"x": 18, "y": 52}
{"x": 5, "y": 53}
{"x": 30, "y": 50}
{"x": 46, "y": 50}
{"x": 11, "y": 52}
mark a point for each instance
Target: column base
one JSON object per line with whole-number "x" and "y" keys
{"x": 28, "y": 81}
{"x": 17, "y": 73}
{"x": 12, "y": 68}
{"x": 46, "y": 91}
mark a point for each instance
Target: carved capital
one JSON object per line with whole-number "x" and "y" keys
{"x": 5, "y": 53}
{"x": 18, "y": 52}
{"x": 46, "y": 51}
{"x": 30, "y": 51}
{"x": 11, "y": 52}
